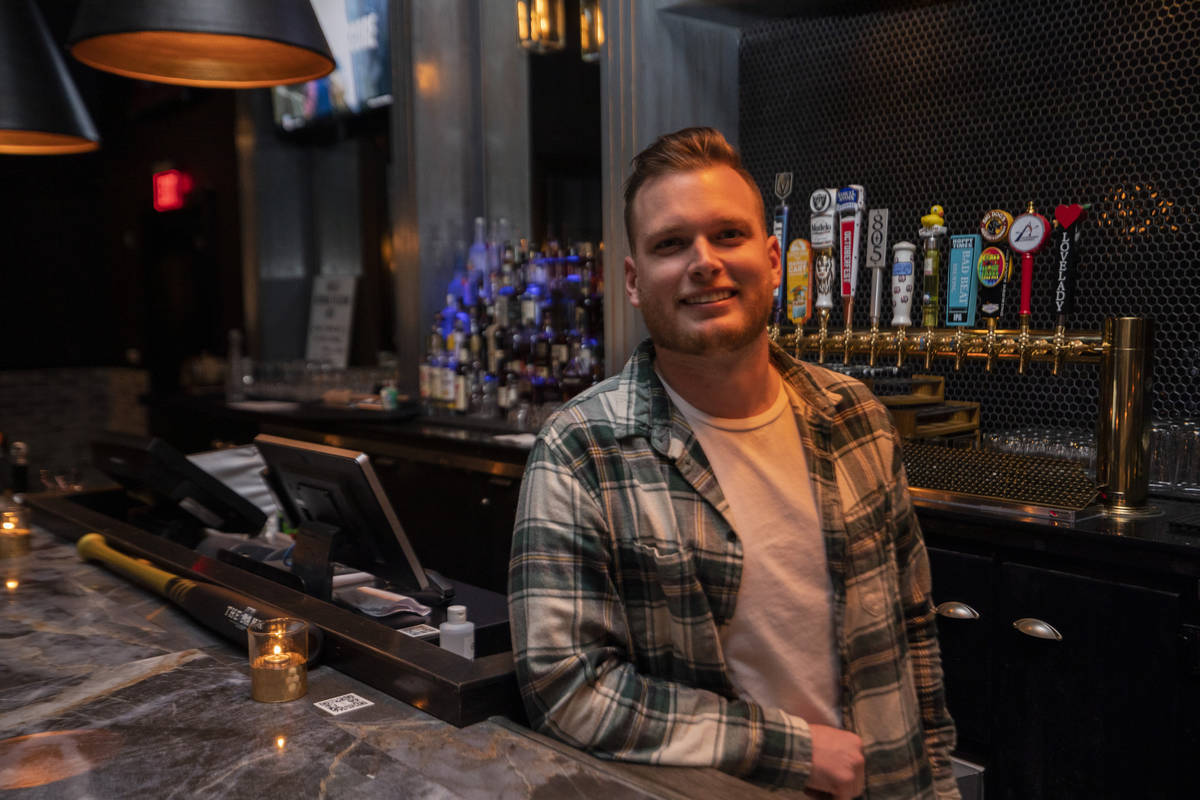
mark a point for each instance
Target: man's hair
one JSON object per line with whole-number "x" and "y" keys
{"x": 683, "y": 151}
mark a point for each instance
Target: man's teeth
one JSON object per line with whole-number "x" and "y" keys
{"x": 711, "y": 297}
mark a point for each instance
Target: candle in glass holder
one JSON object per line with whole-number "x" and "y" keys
{"x": 14, "y": 521}
{"x": 278, "y": 658}
{"x": 15, "y": 539}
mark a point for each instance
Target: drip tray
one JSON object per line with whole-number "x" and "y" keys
{"x": 1005, "y": 484}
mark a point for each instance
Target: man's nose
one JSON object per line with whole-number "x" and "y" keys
{"x": 704, "y": 263}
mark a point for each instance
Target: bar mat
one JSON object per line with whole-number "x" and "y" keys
{"x": 993, "y": 475}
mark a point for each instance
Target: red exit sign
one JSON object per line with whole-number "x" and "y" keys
{"x": 171, "y": 188}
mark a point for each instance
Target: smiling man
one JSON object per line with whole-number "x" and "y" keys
{"x": 715, "y": 559}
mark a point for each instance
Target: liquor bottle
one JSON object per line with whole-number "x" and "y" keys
{"x": 502, "y": 394}
{"x": 561, "y": 338}
{"x": 575, "y": 375}
{"x": 430, "y": 379}
{"x": 542, "y": 360}
{"x": 508, "y": 261}
{"x": 477, "y": 261}
{"x": 462, "y": 380}
{"x": 448, "y": 372}
{"x": 497, "y": 336}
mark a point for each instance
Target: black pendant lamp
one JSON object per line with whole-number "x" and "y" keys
{"x": 237, "y": 44}
{"x": 41, "y": 112}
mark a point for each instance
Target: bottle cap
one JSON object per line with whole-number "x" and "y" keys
{"x": 456, "y": 614}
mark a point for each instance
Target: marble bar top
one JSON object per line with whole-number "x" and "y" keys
{"x": 107, "y": 691}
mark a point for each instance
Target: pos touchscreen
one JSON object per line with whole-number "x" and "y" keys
{"x": 339, "y": 488}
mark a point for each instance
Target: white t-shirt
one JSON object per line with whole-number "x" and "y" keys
{"x": 779, "y": 645}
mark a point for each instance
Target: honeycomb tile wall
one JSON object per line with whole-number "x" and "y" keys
{"x": 987, "y": 104}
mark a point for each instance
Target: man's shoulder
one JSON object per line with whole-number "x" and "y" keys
{"x": 598, "y": 412}
{"x": 842, "y": 391}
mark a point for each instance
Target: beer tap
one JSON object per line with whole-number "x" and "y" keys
{"x": 779, "y": 228}
{"x": 877, "y": 221}
{"x": 851, "y": 200}
{"x": 1068, "y": 234}
{"x": 902, "y": 292}
{"x": 822, "y": 205}
{"x": 1027, "y": 235}
{"x": 798, "y": 282}
{"x": 960, "y": 291}
{"x": 933, "y": 228}
{"x": 992, "y": 269}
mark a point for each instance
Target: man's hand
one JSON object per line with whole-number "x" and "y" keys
{"x": 838, "y": 766}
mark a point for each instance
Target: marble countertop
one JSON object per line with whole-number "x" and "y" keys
{"x": 107, "y": 690}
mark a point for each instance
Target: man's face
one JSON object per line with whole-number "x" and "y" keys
{"x": 703, "y": 271}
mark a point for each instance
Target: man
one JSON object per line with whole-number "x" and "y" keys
{"x": 715, "y": 559}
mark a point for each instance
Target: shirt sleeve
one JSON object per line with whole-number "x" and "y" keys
{"x": 921, "y": 631}
{"x": 573, "y": 651}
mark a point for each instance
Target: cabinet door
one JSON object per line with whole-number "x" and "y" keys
{"x": 963, "y": 583}
{"x": 1094, "y": 714}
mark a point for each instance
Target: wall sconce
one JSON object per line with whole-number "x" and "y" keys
{"x": 41, "y": 112}
{"x": 541, "y": 25}
{"x": 591, "y": 30}
{"x": 238, "y": 44}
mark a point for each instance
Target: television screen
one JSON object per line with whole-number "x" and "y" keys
{"x": 357, "y": 32}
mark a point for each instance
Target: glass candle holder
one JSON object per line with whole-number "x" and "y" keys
{"x": 15, "y": 538}
{"x": 278, "y": 658}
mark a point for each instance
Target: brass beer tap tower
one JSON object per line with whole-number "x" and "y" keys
{"x": 1123, "y": 350}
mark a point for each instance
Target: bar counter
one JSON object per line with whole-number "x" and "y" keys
{"x": 110, "y": 691}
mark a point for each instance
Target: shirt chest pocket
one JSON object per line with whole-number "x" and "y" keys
{"x": 670, "y": 617}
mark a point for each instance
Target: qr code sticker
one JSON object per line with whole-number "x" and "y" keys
{"x": 343, "y": 703}
{"x": 419, "y": 631}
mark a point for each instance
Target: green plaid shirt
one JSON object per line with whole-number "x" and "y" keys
{"x": 625, "y": 566}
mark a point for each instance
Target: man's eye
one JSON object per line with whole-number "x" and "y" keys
{"x": 667, "y": 244}
{"x": 731, "y": 233}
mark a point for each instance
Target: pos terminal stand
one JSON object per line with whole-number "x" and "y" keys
{"x": 344, "y": 517}
{"x": 312, "y": 563}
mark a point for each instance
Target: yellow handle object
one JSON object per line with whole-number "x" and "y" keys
{"x": 91, "y": 546}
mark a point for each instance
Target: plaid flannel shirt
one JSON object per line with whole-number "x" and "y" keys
{"x": 625, "y": 566}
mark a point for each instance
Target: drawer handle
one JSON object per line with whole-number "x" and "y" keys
{"x": 1037, "y": 629}
{"x": 955, "y": 610}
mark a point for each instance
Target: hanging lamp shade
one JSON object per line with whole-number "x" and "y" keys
{"x": 237, "y": 44}
{"x": 41, "y": 112}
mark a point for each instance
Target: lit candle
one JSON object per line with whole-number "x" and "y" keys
{"x": 15, "y": 539}
{"x": 278, "y": 671}
{"x": 12, "y": 521}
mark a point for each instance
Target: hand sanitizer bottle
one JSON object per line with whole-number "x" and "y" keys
{"x": 458, "y": 635}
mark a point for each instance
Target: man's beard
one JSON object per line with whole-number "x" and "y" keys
{"x": 667, "y": 335}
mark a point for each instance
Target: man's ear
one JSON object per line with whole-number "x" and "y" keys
{"x": 631, "y": 282}
{"x": 777, "y": 255}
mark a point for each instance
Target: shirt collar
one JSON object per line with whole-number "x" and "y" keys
{"x": 650, "y": 413}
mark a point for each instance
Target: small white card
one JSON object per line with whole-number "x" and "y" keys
{"x": 420, "y": 631}
{"x": 343, "y": 703}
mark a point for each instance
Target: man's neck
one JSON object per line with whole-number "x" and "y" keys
{"x": 732, "y": 384}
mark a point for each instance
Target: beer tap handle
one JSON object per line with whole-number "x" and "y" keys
{"x": 1068, "y": 232}
{"x": 1026, "y": 237}
{"x": 933, "y": 229}
{"x": 822, "y": 204}
{"x": 993, "y": 267}
{"x": 779, "y": 228}
{"x": 902, "y": 283}
{"x": 798, "y": 283}
{"x": 851, "y": 201}
{"x": 876, "y": 255}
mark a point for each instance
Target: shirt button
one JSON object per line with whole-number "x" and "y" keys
{"x": 731, "y": 536}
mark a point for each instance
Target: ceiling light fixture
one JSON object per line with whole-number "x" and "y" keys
{"x": 238, "y": 44}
